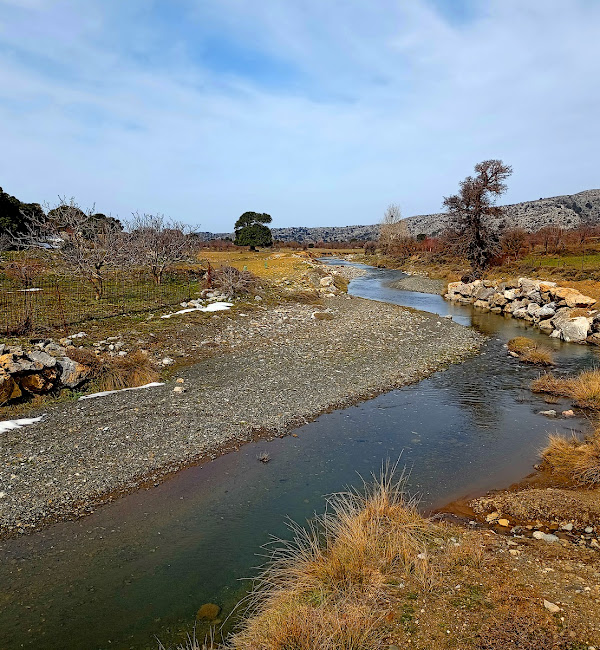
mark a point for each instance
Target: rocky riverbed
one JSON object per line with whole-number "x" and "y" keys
{"x": 303, "y": 361}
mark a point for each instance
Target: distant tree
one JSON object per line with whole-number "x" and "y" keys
{"x": 513, "y": 241}
{"x": 251, "y": 231}
{"x": 471, "y": 209}
{"x": 16, "y": 218}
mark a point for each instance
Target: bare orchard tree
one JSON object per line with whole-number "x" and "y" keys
{"x": 473, "y": 207}
{"x": 86, "y": 245}
{"x": 159, "y": 243}
{"x": 393, "y": 229}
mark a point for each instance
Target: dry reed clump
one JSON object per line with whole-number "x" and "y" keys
{"x": 529, "y": 351}
{"x": 584, "y": 389}
{"x": 114, "y": 373}
{"x": 323, "y": 589}
{"x": 574, "y": 460}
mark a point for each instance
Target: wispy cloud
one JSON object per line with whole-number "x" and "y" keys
{"x": 317, "y": 112}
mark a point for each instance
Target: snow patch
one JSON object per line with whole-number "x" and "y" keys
{"x": 9, "y": 425}
{"x": 122, "y": 390}
{"x": 214, "y": 306}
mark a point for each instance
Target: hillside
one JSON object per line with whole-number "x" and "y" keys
{"x": 567, "y": 211}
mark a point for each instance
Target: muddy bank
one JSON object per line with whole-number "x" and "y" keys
{"x": 298, "y": 367}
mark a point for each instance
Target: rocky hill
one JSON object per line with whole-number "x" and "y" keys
{"x": 567, "y": 211}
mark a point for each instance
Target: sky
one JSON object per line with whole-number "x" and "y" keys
{"x": 318, "y": 112}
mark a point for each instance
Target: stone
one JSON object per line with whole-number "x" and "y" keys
{"x": 327, "y": 281}
{"x": 594, "y": 339}
{"x": 484, "y": 293}
{"x": 545, "y": 287}
{"x": 167, "y": 361}
{"x": 504, "y": 522}
{"x": 72, "y": 373}
{"x": 482, "y": 304}
{"x": 546, "y": 537}
{"x": 520, "y": 313}
{"x": 496, "y": 310}
{"x": 208, "y": 612}
{"x": 7, "y": 385}
{"x": 179, "y": 389}
{"x": 549, "y": 414}
{"x": 568, "y": 413}
{"x": 588, "y": 530}
{"x": 39, "y": 383}
{"x": 55, "y": 349}
{"x": 16, "y": 362}
{"x": 547, "y": 311}
{"x": 512, "y": 294}
{"x": 546, "y": 326}
{"x": 575, "y": 329}
{"x": 526, "y": 285}
{"x": 551, "y": 607}
{"x": 568, "y": 527}
{"x": 498, "y": 300}
{"x": 41, "y": 357}
{"x": 571, "y": 297}
{"x": 533, "y": 309}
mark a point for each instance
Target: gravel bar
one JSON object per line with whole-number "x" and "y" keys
{"x": 296, "y": 368}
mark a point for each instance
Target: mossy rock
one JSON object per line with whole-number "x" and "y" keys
{"x": 208, "y": 612}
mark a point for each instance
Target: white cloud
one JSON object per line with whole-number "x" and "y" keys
{"x": 386, "y": 102}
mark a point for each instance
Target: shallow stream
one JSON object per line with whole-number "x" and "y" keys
{"x": 142, "y": 566}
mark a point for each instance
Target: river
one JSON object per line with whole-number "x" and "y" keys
{"x": 139, "y": 568}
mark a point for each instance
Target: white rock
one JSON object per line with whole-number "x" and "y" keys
{"x": 551, "y": 607}
{"x": 167, "y": 361}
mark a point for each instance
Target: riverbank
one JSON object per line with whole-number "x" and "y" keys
{"x": 302, "y": 361}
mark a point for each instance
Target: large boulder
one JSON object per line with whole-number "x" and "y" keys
{"x": 515, "y": 305}
{"x": 570, "y": 328}
{"x": 512, "y": 294}
{"x": 39, "y": 383}
{"x": 571, "y": 297}
{"x": 484, "y": 293}
{"x": 46, "y": 360}
{"x": 7, "y": 386}
{"x": 15, "y": 362}
{"x": 547, "y": 311}
{"x": 498, "y": 300}
{"x": 72, "y": 373}
{"x": 526, "y": 285}
{"x": 482, "y": 304}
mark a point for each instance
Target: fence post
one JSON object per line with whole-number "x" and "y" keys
{"x": 61, "y": 309}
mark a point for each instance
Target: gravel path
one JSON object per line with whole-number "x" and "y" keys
{"x": 296, "y": 368}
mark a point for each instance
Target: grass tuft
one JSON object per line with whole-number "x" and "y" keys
{"x": 584, "y": 389}
{"x": 531, "y": 352}
{"x": 574, "y": 460}
{"x": 115, "y": 373}
{"x": 322, "y": 589}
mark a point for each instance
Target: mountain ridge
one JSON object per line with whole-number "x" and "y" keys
{"x": 566, "y": 211}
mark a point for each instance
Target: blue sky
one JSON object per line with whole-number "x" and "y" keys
{"x": 319, "y": 112}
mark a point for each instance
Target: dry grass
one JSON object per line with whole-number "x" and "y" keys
{"x": 574, "y": 460}
{"x": 322, "y": 590}
{"x": 583, "y": 389}
{"x": 114, "y": 373}
{"x": 529, "y": 351}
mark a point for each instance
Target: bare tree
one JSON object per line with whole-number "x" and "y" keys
{"x": 86, "y": 245}
{"x": 472, "y": 209}
{"x": 159, "y": 243}
{"x": 393, "y": 229}
{"x": 513, "y": 241}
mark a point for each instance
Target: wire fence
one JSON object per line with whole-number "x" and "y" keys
{"x": 58, "y": 302}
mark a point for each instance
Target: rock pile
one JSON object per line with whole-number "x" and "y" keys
{"x": 560, "y": 312}
{"x": 37, "y": 371}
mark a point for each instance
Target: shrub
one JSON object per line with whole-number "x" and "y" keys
{"x": 234, "y": 282}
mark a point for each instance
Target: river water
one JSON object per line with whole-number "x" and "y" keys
{"x": 140, "y": 568}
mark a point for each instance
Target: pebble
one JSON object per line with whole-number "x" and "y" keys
{"x": 547, "y": 537}
{"x": 551, "y": 607}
